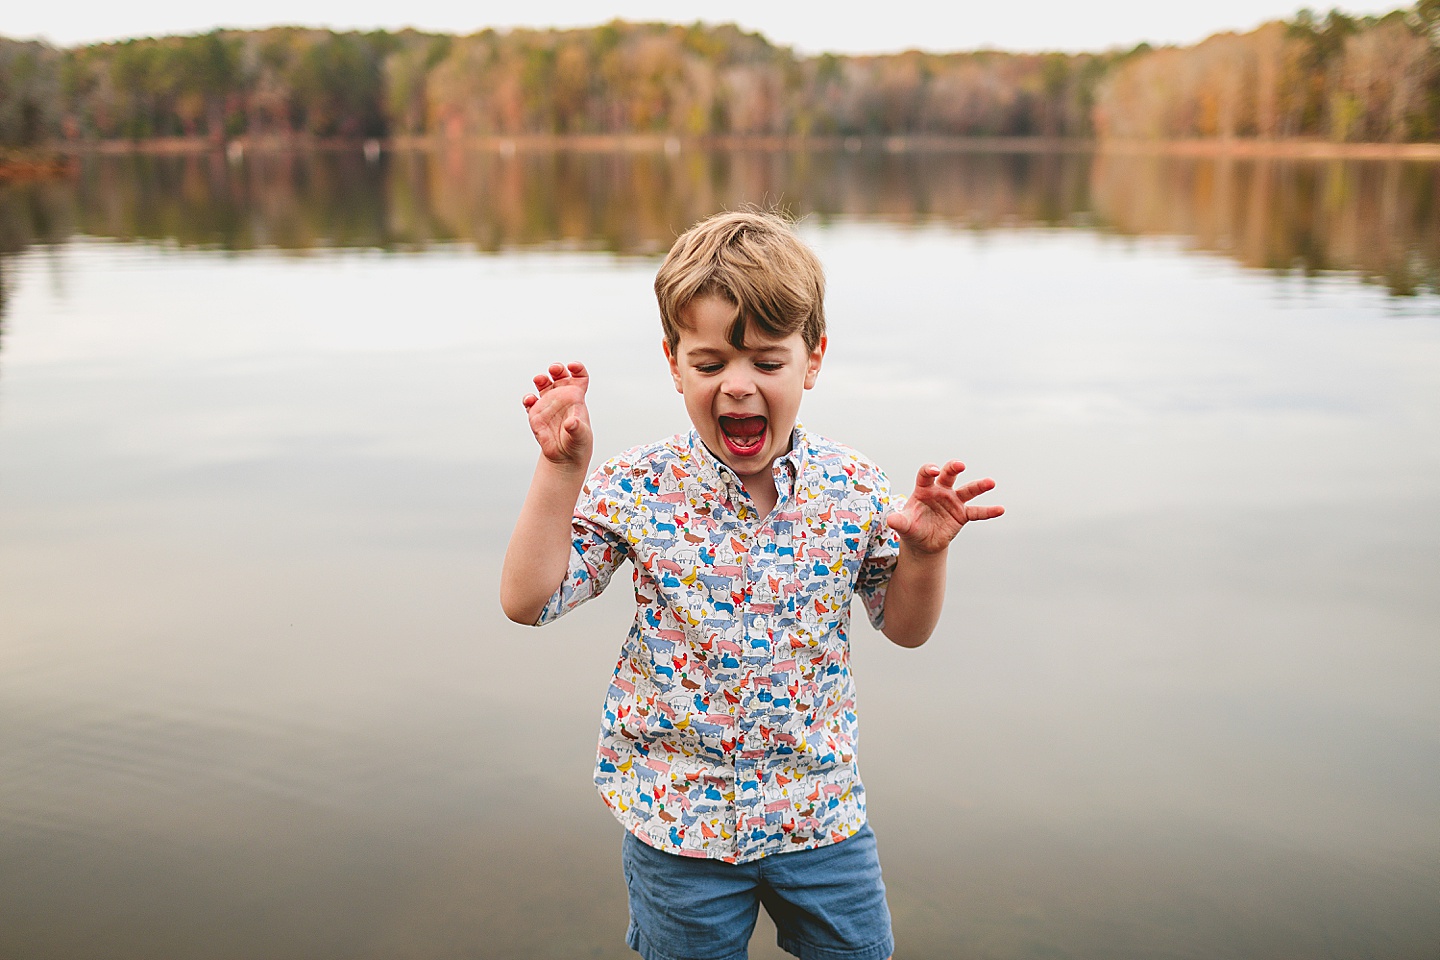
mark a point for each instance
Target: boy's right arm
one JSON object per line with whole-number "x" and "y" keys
{"x": 539, "y": 551}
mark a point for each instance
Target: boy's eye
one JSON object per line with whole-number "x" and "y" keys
{"x": 769, "y": 366}
{"x": 708, "y": 367}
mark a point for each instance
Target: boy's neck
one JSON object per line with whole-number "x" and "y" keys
{"x": 761, "y": 487}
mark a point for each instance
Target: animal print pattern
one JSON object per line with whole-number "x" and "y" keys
{"x": 729, "y": 728}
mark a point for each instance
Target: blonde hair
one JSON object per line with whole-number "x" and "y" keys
{"x": 752, "y": 259}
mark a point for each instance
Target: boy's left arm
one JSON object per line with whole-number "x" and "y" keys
{"x": 932, "y": 517}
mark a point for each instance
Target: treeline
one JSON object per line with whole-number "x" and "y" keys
{"x": 619, "y": 78}
{"x": 1373, "y": 78}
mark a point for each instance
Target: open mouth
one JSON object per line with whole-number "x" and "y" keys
{"x": 743, "y": 436}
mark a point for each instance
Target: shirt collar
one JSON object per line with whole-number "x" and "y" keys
{"x": 718, "y": 476}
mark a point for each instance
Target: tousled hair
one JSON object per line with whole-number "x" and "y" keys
{"x": 752, "y": 259}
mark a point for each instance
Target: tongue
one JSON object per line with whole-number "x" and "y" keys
{"x": 744, "y": 428}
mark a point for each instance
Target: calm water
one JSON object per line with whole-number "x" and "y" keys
{"x": 261, "y": 446}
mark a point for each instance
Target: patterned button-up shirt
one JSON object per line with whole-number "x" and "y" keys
{"x": 729, "y": 728}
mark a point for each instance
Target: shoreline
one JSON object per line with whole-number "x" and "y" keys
{"x": 580, "y": 142}
{"x": 236, "y": 148}
{"x": 30, "y": 165}
{"x": 1274, "y": 149}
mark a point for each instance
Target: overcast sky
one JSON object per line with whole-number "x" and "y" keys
{"x": 840, "y": 26}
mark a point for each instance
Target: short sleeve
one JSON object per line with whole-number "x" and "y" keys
{"x": 881, "y": 552}
{"x": 598, "y": 545}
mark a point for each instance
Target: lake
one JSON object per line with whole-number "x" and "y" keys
{"x": 261, "y": 446}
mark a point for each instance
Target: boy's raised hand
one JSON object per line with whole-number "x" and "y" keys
{"x": 558, "y": 415}
{"x": 938, "y": 509}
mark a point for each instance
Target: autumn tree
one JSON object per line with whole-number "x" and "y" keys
{"x": 29, "y": 92}
{"x": 1337, "y": 77}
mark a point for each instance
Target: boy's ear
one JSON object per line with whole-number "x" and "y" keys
{"x": 812, "y": 362}
{"x": 674, "y": 365}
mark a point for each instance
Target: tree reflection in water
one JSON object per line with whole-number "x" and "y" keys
{"x": 1377, "y": 219}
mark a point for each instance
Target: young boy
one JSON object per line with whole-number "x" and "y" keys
{"x": 728, "y": 735}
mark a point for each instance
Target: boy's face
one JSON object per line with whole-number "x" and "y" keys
{"x": 743, "y": 402}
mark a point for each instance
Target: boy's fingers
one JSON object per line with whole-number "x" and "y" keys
{"x": 973, "y": 489}
{"x": 988, "y": 512}
{"x": 577, "y": 432}
{"x": 951, "y": 470}
{"x": 926, "y": 476}
{"x": 557, "y": 372}
{"x": 529, "y": 400}
{"x": 898, "y": 522}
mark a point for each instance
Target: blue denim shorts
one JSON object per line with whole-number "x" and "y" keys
{"x": 827, "y": 903}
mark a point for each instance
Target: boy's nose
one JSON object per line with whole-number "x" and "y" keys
{"x": 738, "y": 385}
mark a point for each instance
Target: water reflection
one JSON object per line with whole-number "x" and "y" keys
{"x": 1380, "y": 219}
{"x": 257, "y": 698}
